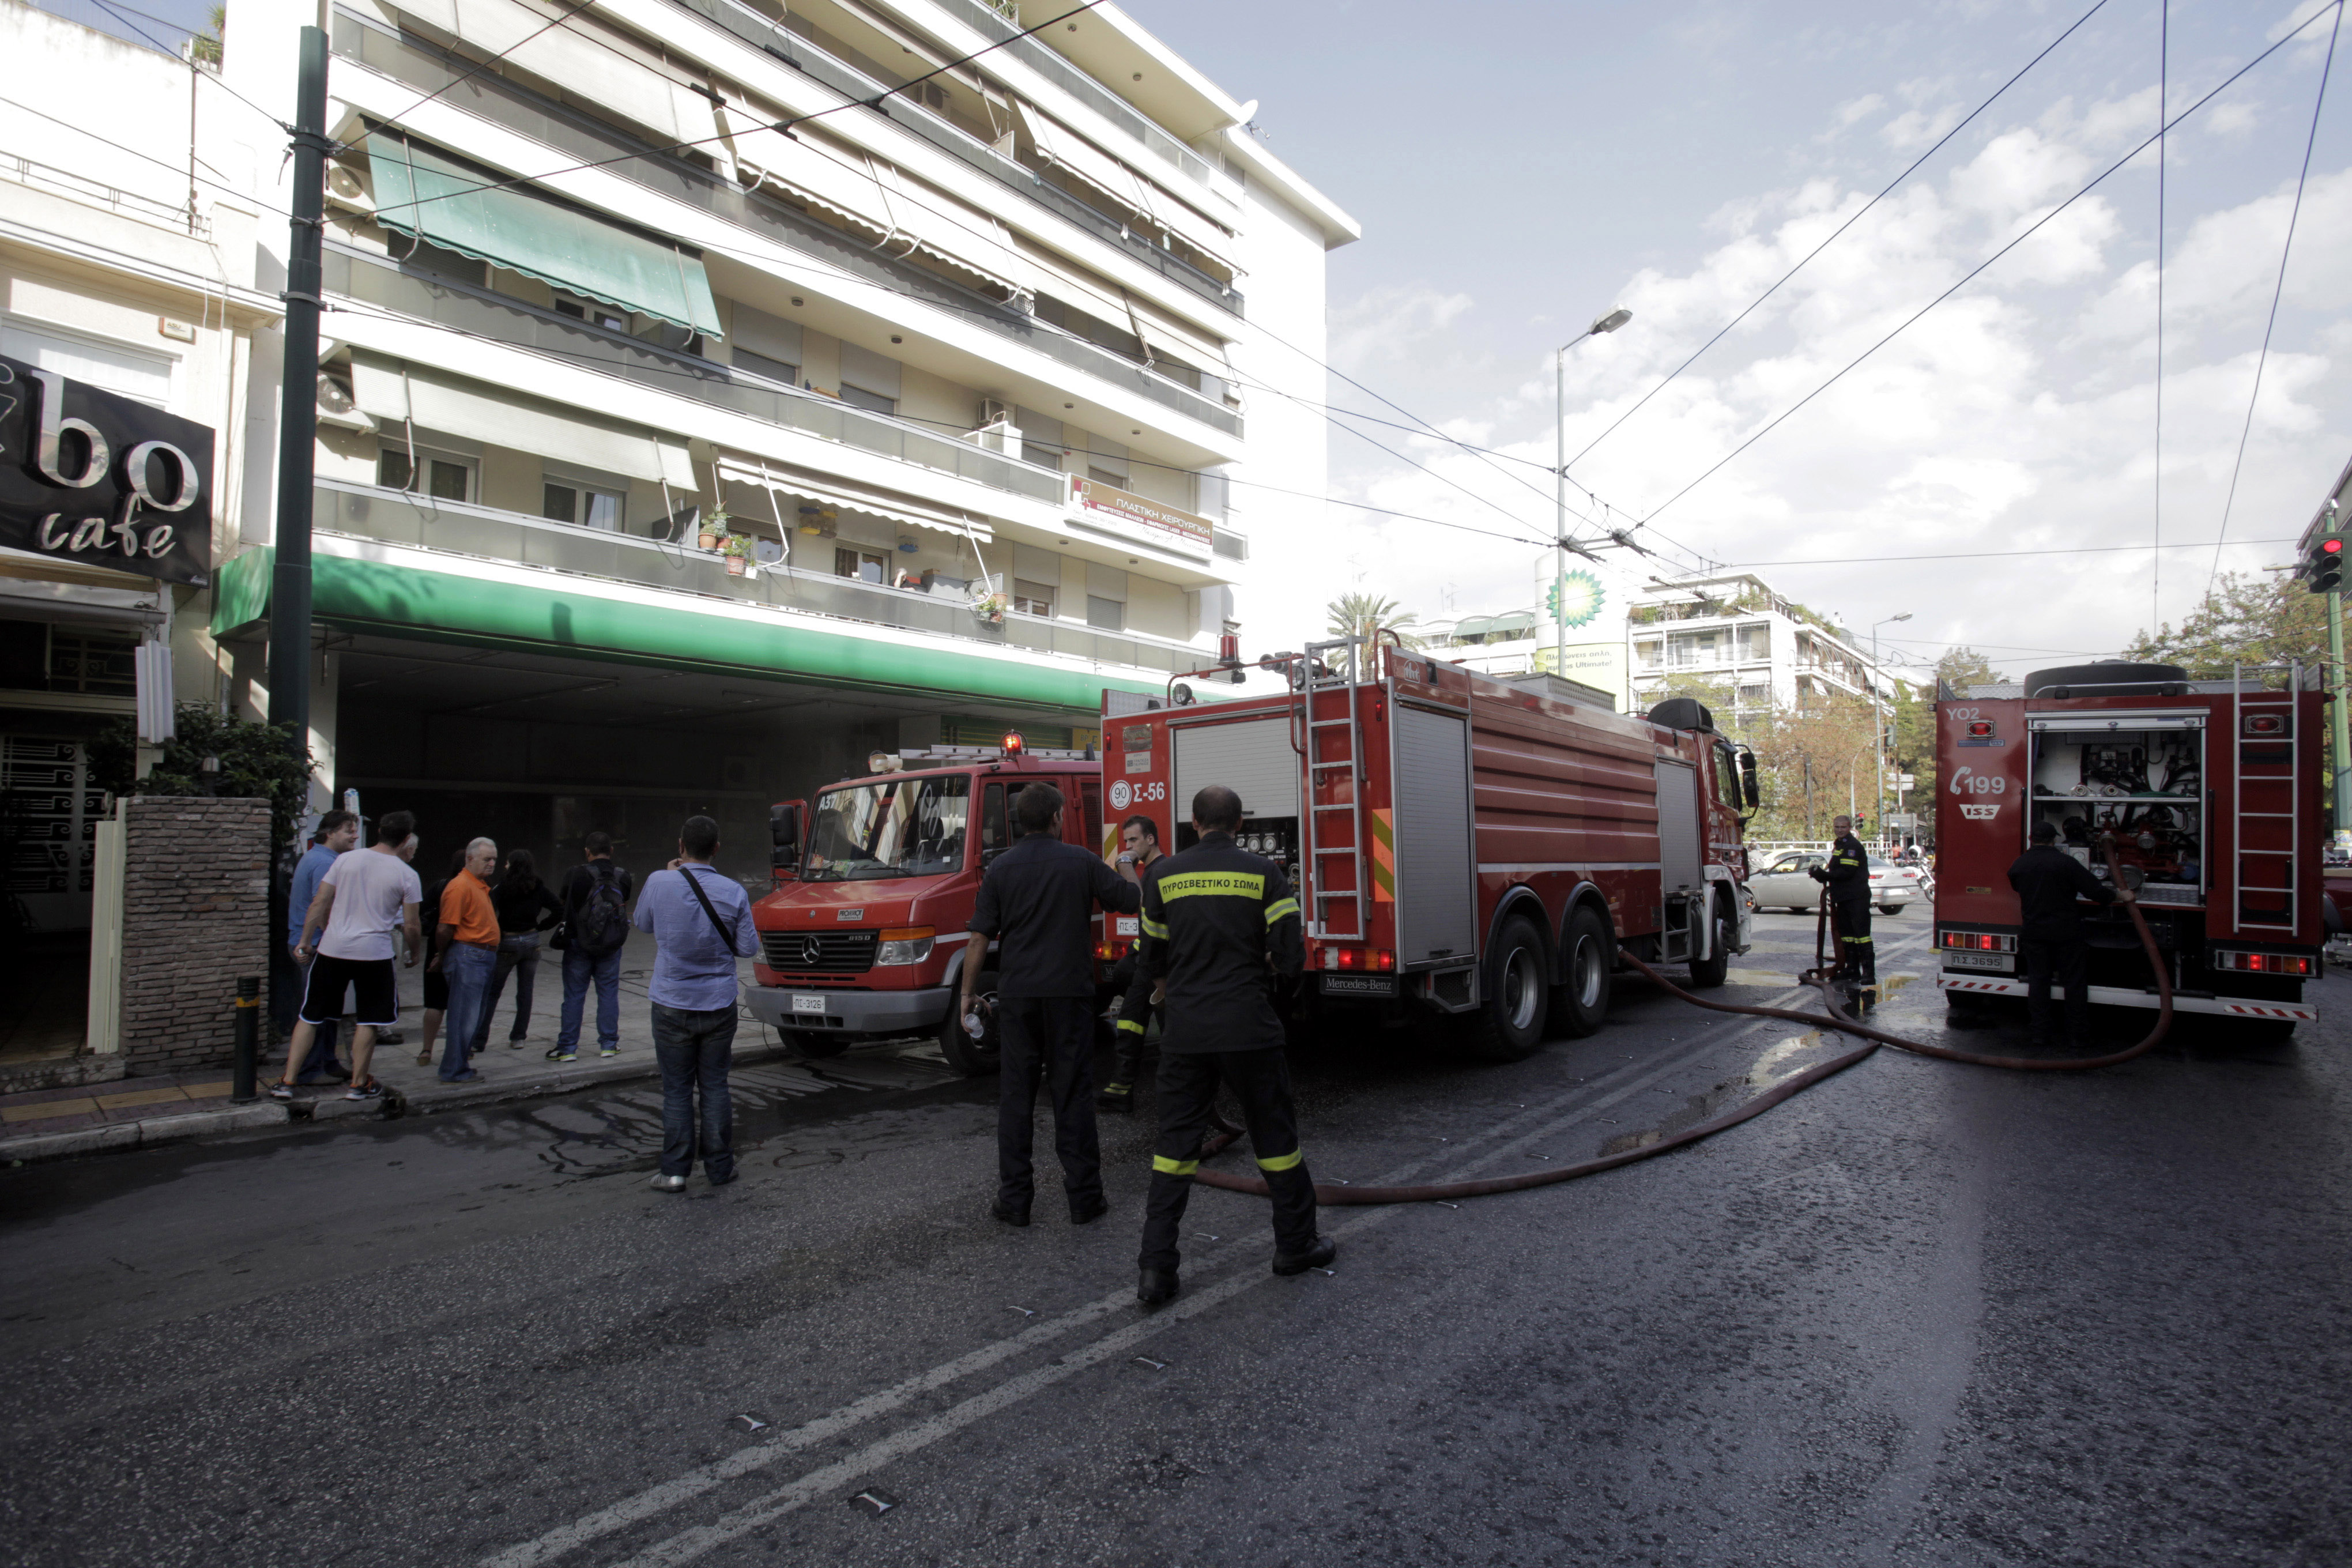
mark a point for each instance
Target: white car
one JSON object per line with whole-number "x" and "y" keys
{"x": 1784, "y": 884}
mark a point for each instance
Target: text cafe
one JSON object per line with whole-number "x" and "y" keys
{"x": 100, "y": 479}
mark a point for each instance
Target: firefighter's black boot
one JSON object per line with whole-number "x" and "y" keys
{"x": 1318, "y": 1255}
{"x": 1153, "y": 1286}
{"x": 1116, "y": 1096}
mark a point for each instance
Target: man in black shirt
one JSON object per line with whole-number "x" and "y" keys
{"x": 595, "y": 928}
{"x": 2050, "y": 938}
{"x": 1217, "y": 921}
{"x": 1039, "y": 898}
{"x": 1847, "y": 875}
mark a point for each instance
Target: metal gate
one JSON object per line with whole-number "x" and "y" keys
{"x": 1437, "y": 878}
{"x": 1680, "y": 862}
{"x": 1253, "y": 758}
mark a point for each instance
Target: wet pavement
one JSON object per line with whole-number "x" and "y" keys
{"x": 1921, "y": 1314}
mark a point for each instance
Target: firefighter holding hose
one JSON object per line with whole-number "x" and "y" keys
{"x": 1217, "y": 921}
{"x": 1847, "y": 877}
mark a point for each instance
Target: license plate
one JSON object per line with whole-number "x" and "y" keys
{"x": 1129, "y": 924}
{"x": 1999, "y": 961}
{"x": 809, "y": 1004}
{"x": 1358, "y": 985}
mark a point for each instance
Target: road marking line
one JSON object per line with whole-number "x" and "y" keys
{"x": 694, "y": 1542}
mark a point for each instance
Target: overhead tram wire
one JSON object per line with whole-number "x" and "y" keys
{"x": 118, "y": 14}
{"x": 2156, "y": 507}
{"x": 574, "y": 9}
{"x": 1980, "y": 266}
{"x": 179, "y": 169}
{"x": 1857, "y": 217}
{"x": 2278, "y": 290}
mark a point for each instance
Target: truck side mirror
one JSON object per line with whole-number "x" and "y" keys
{"x": 1748, "y": 789}
{"x": 784, "y": 836}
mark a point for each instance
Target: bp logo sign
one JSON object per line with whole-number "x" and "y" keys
{"x": 1575, "y": 600}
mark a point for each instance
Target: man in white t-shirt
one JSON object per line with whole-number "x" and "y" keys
{"x": 363, "y": 899}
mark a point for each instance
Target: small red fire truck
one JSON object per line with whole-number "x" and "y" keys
{"x": 1461, "y": 846}
{"x": 865, "y": 935}
{"x": 2211, "y": 790}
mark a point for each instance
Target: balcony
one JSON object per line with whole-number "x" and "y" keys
{"x": 577, "y": 138}
{"x": 790, "y": 49}
{"x": 397, "y": 517}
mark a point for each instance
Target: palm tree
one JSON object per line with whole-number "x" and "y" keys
{"x": 204, "y": 48}
{"x": 1367, "y": 616}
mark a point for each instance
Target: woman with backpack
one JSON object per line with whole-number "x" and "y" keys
{"x": 526, "y": 907}
{"x": 595, "y": 928}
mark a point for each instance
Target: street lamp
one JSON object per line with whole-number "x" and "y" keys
{"x": 1608, "y": 323}
{"x": 1878, "y": 729}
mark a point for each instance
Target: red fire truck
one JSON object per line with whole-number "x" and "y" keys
{"x": 1462, "y": 845}
{"x": 865, "y": 935}
{"x": 2212, "y": 791}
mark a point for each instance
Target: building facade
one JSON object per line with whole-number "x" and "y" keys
{"x": 712, "y": 393}
{"x": 1734, "y": 631}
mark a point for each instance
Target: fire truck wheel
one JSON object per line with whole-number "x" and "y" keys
{"x": 973, "y": 1058}
{"x": 1580, "y": 1005}
{"x": 1508, "y": 1023}
{"x": 812, "y": 1044}
{"x": 1706, "y": 973}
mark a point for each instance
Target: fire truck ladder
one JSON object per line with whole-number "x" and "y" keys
{"x": 1339, "y": 676}
{"x": 2269, "y": 773}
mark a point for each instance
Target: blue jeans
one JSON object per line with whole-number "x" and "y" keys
{"x": 695, "y": 1049}
{"x": 468, "y": 969}
{"x": 518, "y": 956}
{"x": 579, "y": 968}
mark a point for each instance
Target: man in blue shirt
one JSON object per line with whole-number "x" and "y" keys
{"x": 703, "y": 921}
{"x": 337, "y": 833}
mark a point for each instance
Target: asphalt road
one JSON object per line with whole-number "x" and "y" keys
{"x": 1920, "y": 1314}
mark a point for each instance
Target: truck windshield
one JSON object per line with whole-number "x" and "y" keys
{"x": 911, "y": 827}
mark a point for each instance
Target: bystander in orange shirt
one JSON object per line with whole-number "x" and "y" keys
{"x": 465, "y": 907}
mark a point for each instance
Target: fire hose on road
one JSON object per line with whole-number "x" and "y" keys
{"x": 1787, "y": 1089}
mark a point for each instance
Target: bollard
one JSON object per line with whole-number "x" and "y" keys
{"x": 248, "y": 1040}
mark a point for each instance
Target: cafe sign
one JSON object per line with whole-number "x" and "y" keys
{"x": 1196, "y": 531}
{"x": 98, "y": 480}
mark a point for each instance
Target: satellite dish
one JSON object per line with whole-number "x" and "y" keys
{"x": 1248, "y": 111}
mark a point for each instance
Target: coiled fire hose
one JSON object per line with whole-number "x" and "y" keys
{"x": 1788, "y": 1088}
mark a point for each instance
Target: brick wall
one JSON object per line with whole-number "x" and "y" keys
{"x": 196, "y": 915}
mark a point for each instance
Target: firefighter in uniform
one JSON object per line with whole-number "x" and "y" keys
{"x": 2048, "y": 880}
{"x": 1847, "y": 877}
{"x": 1217, "y": 921}
{"x": 1138, "y": 848}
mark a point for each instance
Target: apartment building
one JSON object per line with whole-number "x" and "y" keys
{"x": 1766, "y": 649}
{"x": 964, "y": 368}
{"x": 127, "y": 304}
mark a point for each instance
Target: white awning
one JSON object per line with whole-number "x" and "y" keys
{"x": 1181, "y": 341}
{"x": 399, "y": 393}
{"x": 847, "y": 495}
{"x": 1065, "y": 149}
{"x": 547, "y": 39}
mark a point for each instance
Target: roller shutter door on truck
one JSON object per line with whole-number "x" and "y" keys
{"x": 1252, "y": 758}
{"x": 1679, "y": 860}
{"x": 1436, "y": 884}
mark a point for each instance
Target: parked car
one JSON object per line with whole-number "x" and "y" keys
{"x": 1783, "y": 884}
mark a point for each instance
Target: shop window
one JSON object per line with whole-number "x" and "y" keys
{"x": 585, "y": 505}
{"x": 1106, "y": 614}
{"x": 872, "y": 401}
{"x": 865, "y": 565}
{"x": 444, "y": 478}
{"x": 1032, "y": 598}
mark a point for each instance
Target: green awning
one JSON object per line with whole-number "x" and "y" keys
{"x": 1472, "y": 627}
{"x": 1520, "y": 623}
{"x": 424, "y": 193}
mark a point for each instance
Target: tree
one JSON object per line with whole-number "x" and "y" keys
{"x": 204, "y": 48}
{"x": 1367, "y": 616}
{"x": 255, "y": 760}
{"x": 2243, "y": 619}
{"x": 1915, "y": 721}
{"x": 1814, "y": 761}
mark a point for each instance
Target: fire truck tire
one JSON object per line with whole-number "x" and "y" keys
{"x": 1706, "y": 973}
{"x": 1508, "y": 1023}
{"x": 1580, "y": 1005}
{"x": 973, "y": 1058}
{"x": 815, "y": 1044}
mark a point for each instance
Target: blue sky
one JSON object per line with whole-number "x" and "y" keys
{"x": 1520, "y": 168}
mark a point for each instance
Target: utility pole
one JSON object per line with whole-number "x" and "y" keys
{"x": 1608, "y": 323}
{"x": 2339, "y": 724}
{"x": 290, "y": 581}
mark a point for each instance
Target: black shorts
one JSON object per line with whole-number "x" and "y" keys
{"x": 376, "y": 990}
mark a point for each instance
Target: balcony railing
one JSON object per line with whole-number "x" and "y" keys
{"x": 414, "y": 63}
{"x": 379, "y": 282}
{"x": 399, "y": 517}
{"x": 790, "y": 48}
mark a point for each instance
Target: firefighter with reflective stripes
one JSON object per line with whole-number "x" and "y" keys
{"x": 1217, "y": 921}
{"x": 1847, "y": 877}
{"x": 1138, "y": 849}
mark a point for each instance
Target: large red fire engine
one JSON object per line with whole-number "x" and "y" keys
{"x": 2211, "y": 790}
{"x": 1462, "y": 845}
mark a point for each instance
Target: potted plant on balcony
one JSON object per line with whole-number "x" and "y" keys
{"x": 988, "y": 607}
{"x": 714, "y": 527}
{"x": 737, "y": 549}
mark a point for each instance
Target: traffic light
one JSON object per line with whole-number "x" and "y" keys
{"x": 2323, "y": 564}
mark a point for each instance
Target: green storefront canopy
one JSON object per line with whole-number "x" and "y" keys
{"x": 423, "y": 193}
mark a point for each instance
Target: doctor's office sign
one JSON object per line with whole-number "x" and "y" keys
{"x": 99, "y": 479}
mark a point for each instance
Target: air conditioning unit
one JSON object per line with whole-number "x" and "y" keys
{"x": 345, "y": 189}
{"x": 993, "y": 412}
{"x": 336, "y": 408}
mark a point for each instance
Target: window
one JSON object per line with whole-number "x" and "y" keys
{"x": 430, "y": 257}
{"x": 773, "y": 369}
{"x": 1090, "y": 821}
{"x": 586, "y": 505}
{"x": 1044, "y": 456}
{"x": 991, "y": 822}
{"x": 1106, "y": 614}
{"x": 1032, "y": 598}
{"x": 596, "y": 312}
{"x": 1104, "y": 477}
{"x": 445, "y": 478}
{"x": 865, "y": 565}
{"x": 872, "y": 402}
{"x": 1648, "y": 653}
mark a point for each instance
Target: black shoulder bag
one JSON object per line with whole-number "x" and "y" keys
{"x": 726, "y": 937}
